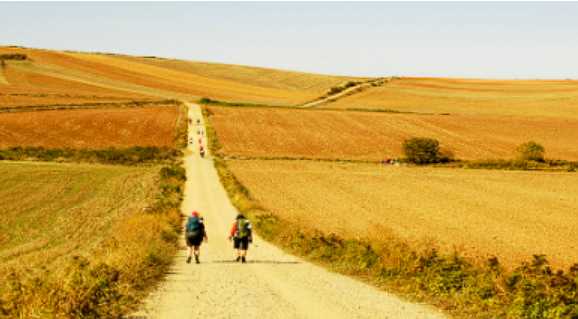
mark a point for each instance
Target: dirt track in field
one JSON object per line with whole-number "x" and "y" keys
{"x": 510, "y": 214}
{"x": 272, "y": 284}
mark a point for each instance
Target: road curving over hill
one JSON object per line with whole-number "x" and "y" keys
{"x": 272, "y": 284}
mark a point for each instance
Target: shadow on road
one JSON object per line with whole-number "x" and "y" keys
{"x": 275, "y": 262}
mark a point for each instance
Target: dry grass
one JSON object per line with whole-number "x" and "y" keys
{"x": 372, "y": 136}
{"x": 75, "y": 241}
{"x": 461, "y": 96}
{"x": 100, "y": 76}
{"x": 512, "y": 215}
{"x": 91, "y": 128}
{"x": 49, "y": 211}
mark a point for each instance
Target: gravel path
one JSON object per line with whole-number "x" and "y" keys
{"x": 272, "y": 284}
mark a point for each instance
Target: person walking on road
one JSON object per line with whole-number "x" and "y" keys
{"x": 202, "y": 151}
{"x": 195, "y": 234}
{"x": 242, "y": 235}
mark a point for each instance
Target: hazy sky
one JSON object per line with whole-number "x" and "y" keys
{"x": 495, "y": 40}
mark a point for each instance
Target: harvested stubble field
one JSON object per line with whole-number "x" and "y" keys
{"x": 512, "y": 215}
{"x": 92, "y": 128}
{"x": 551, "y": 98}
{"x": 270, "y": 132}
{"x": 49, "y": 75}
{"x": 50, "y": 211}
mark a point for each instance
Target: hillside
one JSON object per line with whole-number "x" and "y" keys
{"x": 552, "y": 98}
{"x": 49, "y": 77}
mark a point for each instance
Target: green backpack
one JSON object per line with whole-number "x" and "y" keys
{"x": 194, "y": 227}
{"x": 243, "y": 228}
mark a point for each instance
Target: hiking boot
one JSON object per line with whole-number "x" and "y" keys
{"x": 243, "y": 260}
{"x": 197, "y": 260}
{"x": 238, "y": 259}
{"x": 189, "y": 260}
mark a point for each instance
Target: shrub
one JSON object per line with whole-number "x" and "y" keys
{"x": 206, "y": 100}
{"x": 335, "y": 90}
{"x": 531, "y": 151}
{"x": 124, "y": 156}
{"x": 350, "y": 84}
{"x": 13, "y": 56}
{"x": 422, "y": 150}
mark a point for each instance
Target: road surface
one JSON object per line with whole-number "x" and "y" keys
{"x": 272, "y": 284}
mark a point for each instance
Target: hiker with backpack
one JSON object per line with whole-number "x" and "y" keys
{"x": 242, "y": 235}
{"x": 195, "y": 234}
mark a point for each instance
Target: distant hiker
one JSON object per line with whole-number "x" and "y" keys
{"x": 242, "y": 235}
{"x": 195, "y": 234}
{"x": 202, "y": 151}
{"x": 198, "y": 121}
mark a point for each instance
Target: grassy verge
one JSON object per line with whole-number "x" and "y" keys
{"x": 523, "y": 165}
{"x": 92, "y": 105}
{"x": 451, "y": 282}
{"x": 209, "y": 101}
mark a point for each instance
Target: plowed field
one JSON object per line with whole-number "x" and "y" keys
{"x": 372, "y": 136}
{"x": 90, "y": 128}
{"x": 481, "y": 213}
{"x": 461, "y": 96}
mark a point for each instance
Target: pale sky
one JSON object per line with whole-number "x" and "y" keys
{"x": 482, "y": 40}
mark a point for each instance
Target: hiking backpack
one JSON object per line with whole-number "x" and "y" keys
{"x": 194, "y": 227}
{"x": 243, "y": 228}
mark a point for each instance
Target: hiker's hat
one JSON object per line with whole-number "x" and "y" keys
{"x": 195, "y": 213}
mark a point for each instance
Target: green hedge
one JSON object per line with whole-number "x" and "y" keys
{"x": 124, "y": 156}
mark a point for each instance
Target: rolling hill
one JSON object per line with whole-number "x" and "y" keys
{"x": 49, "y": 77}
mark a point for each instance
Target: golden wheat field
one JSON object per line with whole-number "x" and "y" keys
{"x": 552, "y": 98}
{"x": 51, "y": 211}
{"x": 91, "y": 128}
{"x": 70, "y": 77}
{"x": 272, "y": 132}
{"x": 512, "y": 214}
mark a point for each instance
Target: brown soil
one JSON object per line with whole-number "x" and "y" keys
{"x": 91, "y": 128}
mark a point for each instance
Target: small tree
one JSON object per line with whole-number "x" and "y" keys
{"x": 531, "y": 151}
{"x": 205, "y": 100}
{"x": 422, "y": 150}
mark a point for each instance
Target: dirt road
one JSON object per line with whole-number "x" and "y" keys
{"x": 349, "y": 91}
{"x": 272, "y": 284}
